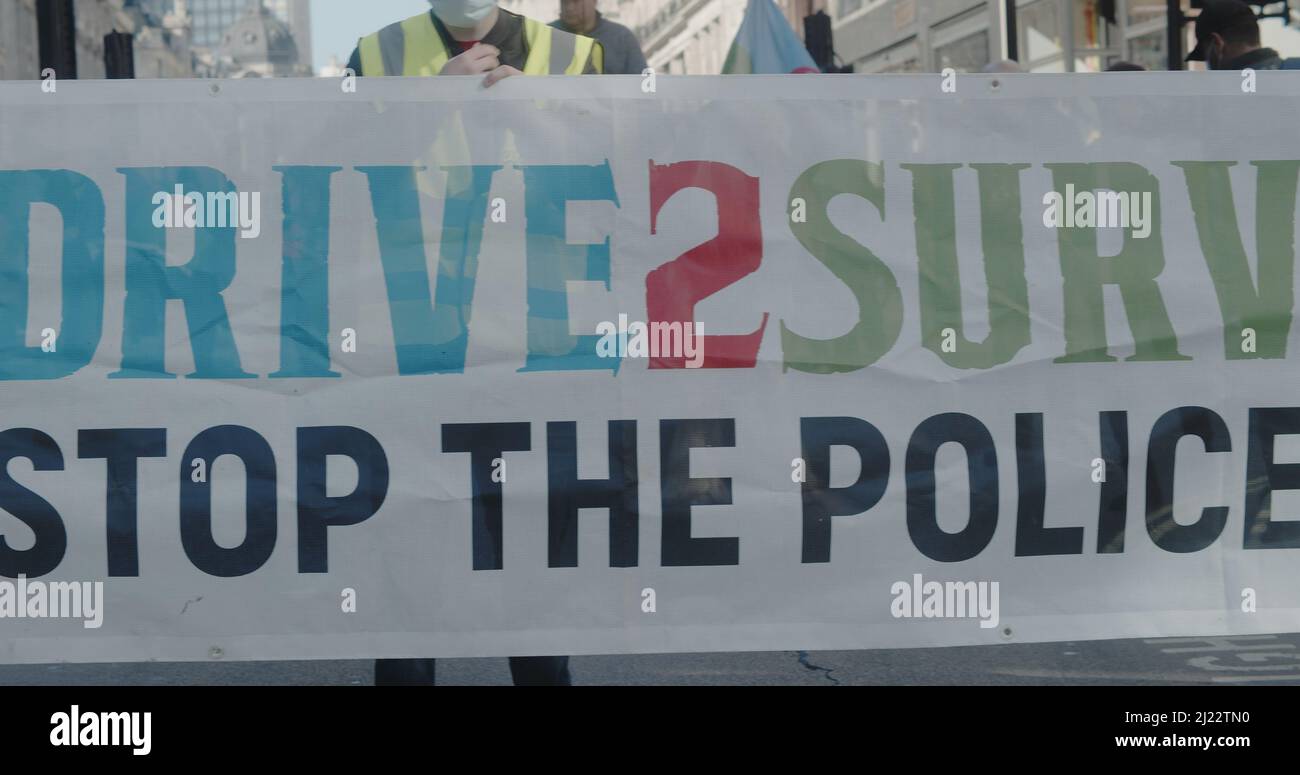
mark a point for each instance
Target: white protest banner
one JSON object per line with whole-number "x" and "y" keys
{"x": 566, "y": 367}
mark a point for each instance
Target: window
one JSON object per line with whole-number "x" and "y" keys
{"x": 1090, "y": 28}
{"x": 1142, "y": 11}
{"x": 1089, "y": 63}
{"x": 965, "y": 55}
{"x": 1040, "y": 26}
{"x": 1149, "y": 50}
{"x": 1054, "y": 65}
{"x": 962, "y": 43}
{"x": 901, "y": 58}
{"x": 906, "y": 66}
{"x": 846, "y": 7}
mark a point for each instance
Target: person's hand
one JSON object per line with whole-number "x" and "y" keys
{"x": 504, "y": 71}
{"x": 481, "y": 58}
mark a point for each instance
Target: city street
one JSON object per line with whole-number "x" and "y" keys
{"x": 356, "y": 328}
{"x": 1252, "y": 659}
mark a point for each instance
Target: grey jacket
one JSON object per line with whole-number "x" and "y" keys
{"x": 622, "y": 50}
{"x": 1262, "y": 59}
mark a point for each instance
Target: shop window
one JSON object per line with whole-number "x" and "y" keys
{"x": 1143, "y": 11}
{"x": 1041, "y": 28}
{"x": 902, "y": 57}
{"x": 846, "y": 7}
{"x": 1090, "y": 28}
{"x": 1149, "y": 50}
{"x": 965, "y": 55}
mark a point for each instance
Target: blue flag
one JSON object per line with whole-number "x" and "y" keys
{"x": 766, "y": 44}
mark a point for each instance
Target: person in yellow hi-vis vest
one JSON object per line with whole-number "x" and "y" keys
{"x": 474, "y": 37}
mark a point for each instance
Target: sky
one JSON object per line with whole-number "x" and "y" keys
{"x": 337, "y": 24}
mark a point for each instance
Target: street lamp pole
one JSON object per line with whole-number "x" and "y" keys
{"x": 1013, "y": 41}
{"x": 1174, "y": 31}
{"x": 57, "y": 34}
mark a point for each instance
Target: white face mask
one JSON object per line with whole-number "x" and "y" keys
{"x": 462, "y": 13}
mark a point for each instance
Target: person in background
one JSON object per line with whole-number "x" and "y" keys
{"x": 474, "y": 37}
{"x": 1227, "y": 38}
{"x": 1125, "y": 67}
{"x": 622, "y": 50}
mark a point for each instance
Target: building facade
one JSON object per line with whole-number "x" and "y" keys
{"x": 211, "y": 18}
{"x": 20, "y": 55}
{"x": 796, "y": 10}
{"x": 692, "y": 37}
{"x": 162, "y": 38}
{"x": 212, "y": 21}
{"x": 160, "y": 45}
{"x": 685, "y": 36}
{"x": 901, "y": 36}
{"x": 94, "y": 20}
{"x": 296, "y": 14}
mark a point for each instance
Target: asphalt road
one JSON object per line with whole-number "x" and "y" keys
{"x": 1254, "y": 659}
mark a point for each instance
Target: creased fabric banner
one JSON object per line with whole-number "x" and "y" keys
{"x": 290, "y": 369}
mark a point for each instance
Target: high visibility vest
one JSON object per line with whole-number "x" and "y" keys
{"x": 414, "y": 47}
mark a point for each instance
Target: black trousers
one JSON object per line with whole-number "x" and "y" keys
{"x": 525, "y": 671}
